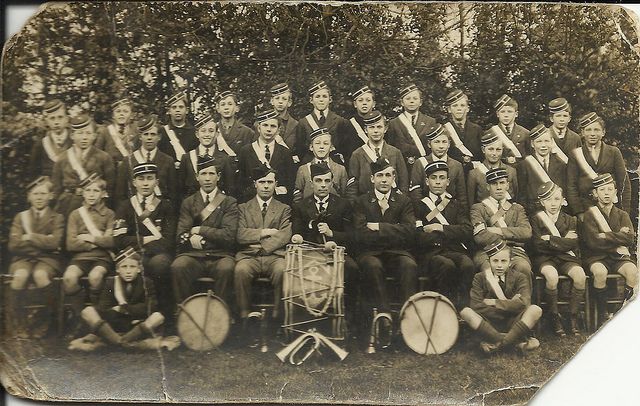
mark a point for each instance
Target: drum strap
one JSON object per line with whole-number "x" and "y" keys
{"x": 506, "y": 141}
{"x": 117, "y": 141}
{"x": 497, "y": 213}
{"x": 546, "y": 220}
{"x": 118, "y": 291}
{"x": 493, "y": 282}
{"x": 456, "y": 139}
{"x": 604, "y": 226}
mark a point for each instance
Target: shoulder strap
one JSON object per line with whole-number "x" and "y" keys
{"x": 147, "y": 221}
{"x": 212, "y": 206}
{"x": 436, "y": 211}
{"x": 412, "y": 133}
{"x": 557, "y": 151}
{"x": 193, "y": 156}
{"x": 604, "y": 226}
{"x": 260, "y": 153}
{"x": 546, "y": 220}
{"x": 497, "y": 214}
{"x": 88, "y": 222}
{"x": 118, "y": 291}
{"x": 312, "y": 122}
{"x": 75, "y": 164}
{"x": 535, "y": 166}
{"x": 49, "y": 149}
{"x": 359, "y": 130}
{"x": 223, "y": 146}
{"x": 456, "y": 139}
{"x": 175, "y": 142}
{"x": 493, "y": 282}
{"x": 578, "y": 153}
{"x": 117, "y": 141}
{"x": 506, "y": 141}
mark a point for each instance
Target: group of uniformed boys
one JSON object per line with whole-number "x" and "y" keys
{"x": 477, "y": 212}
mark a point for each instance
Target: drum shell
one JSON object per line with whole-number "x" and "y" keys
{"x": 203, "y": 329}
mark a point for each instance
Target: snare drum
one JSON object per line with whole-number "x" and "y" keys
{"x": 429, "y": 323}
{"x": 203, "y": 321}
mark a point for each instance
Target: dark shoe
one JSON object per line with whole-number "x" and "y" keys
{"x": 556, "y": 322}
{"x": 573, "y": 326}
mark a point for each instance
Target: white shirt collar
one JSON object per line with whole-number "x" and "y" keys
{"x": 370, "y": 144}
{"x": 271, "y": 145}
{"x": 498, "y": 202}
{"x": 541, "y": 158}
{"x": 202, "y": 150}
{"x": 316, "y": 113}
{"x": 144, "y": 152}
{"x": 444, "y": 157}
{"x": 560, "y": 133}
{"x": 39, "y": 213}
{"x": 554, "y": 217}
{"x": 410, "y": 116}
{"x": 261, "y": 202}
{"x": 147, "y": 199}
{"x": 318, "y": 200}
{"x": 211, "y": 195}
{"x": 80, "y": 153}
{"x": 316, "y": 160}
{"x": 380, "y": 196}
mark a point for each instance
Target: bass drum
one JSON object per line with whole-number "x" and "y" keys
{"x": 203, "y": 321}
{"x": 429, "y": 323}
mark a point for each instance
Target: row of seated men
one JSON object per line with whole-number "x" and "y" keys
{"x": 385, "y": 232}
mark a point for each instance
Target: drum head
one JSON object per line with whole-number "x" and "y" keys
{"x": 203, "y": 322}
{"x": 429, "y": 323}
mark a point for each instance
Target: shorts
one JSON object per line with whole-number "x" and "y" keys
{"x": 87, "y": 265}
{"x": 612, "y": 265}
{"x": 562, "y": 267}
{"x": 30, "y": 265}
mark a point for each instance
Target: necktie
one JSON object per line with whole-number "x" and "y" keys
{"x": 384, "y": 204}
{"x": 264, "y": 209}
{"x": 378, "y": 152}
{"x": 148, "y": 156}
{"x": 546, "y": 163}
{"x": 207, "y": 200}
{"x": 502, "y": 283}
{"x": 322, "y": 118}
{"x": 414, "y": 118}
{"x": 206, "y": 152}
{"x": 320, "y": 206}
{"x": 507, "y": 129}
{"x": 121, "y": 129}
{"x": 267, "y": 153}
{"x": 438, "y": 200}
{"x": 594, "y": 155}
{"x": 143, "y": 204}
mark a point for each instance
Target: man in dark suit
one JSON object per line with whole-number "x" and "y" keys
{"x": 468, "y": 132}
{"x": 46, "y": 151}
{"x": 593, "y": 158}
{"x": 384, "y": 228}
{"x": 264, "y": 229}
{"x": 178, "y": 135}
{"x": 166, "y": 188}
{"x": 206, "y": 236}
{"x": 443, "y": 235}
{"x": 321, "y": 117}
{"x": 407, "y": 130}
{"x": 560, "y": 116}
{"x": 266, "y": 151}
{"x": 517, "y": 136}
{"x": 501, "y": 301}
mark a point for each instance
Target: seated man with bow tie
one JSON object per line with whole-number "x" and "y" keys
{"x": 266, "y": 151}
{"x": 209, "y": 137}
{"x": 501, "y": 301}
{"x": 149, "y": 133}
{"x": 149, "y": 223}
{"x": 384, "y": 232}
{"x": 443, "y": 235}
{"x": 547, "y": 163}
{"x": 56, "y": 139}
{"x": 206, "y": 236}
{"x": 495, "y": 219}
{"x": 120, "y": 137}
{"x": 264, "y": 229}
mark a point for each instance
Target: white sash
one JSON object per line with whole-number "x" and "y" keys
{"x": 147, "y": 221}
{"x": 412, "y": 132}
{"x": 456, "y": 139}
{"x": 175, "y": 143}
{"x": 140, "y": 159}
{"x": 193, "y": 154}
{"x": 493, "y": 208}
{"x": 75, "y": 164}
{"x": 359, "y": 130}
{"x": 555, "y": 149}
{"x": 26, "y": 221}
{"x": 223, "y": 146}
{"x": 260, "y": 153}
{"x": 506, "y": 141}
{"x": 578, "y": 153}
{"x": 546, "y": 220}
{"x": 436, "y": 211}
{"x": 606, "y": 228}
{"x": 116, "y": 140}
{"x": 49, "y": 148}
{"x": 370, "y": 152}
{"x": 212, "y": 206}
{"x": 538, "y": 169}
{"x": 483, "y": 168}
{"x": 118, "y": 291}
{"x": 495, "y": 285}
{"x": 312, "y": 122}
{"x": 88, "y": 222}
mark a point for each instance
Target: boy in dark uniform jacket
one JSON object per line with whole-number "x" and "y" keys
{"x": 492, "y": 150}
{"x": 126, "y": 298}
{"x": 235, "y": 135}
{"x": 443, "y": 235}
{"x": 517, "y": 137}
{"x": 496, "y": 219}
{"x": 206, "y": 236}
{"x": 560, "y": 116}
{"x": 148, "y": 222}
{"x": 464, "y": 130}
{"x": 321, "y": 116}
{"x": 438, "y": 142}
{"x": 608, "y": 239}
{"x": 207, "y": 133}
{"x": 35, "y": 240}
{"x": 555, "y": 241}
{"x": 352, "y": 131}
{"x": 178, "y": 136}
{"x": 46, "y": 151}
{"x": 281, "y": 100}
{"x": 119, "y": 138}
{"x": 593, "y": 158}
{"x": 543, "y": 165}
{"x": 148, "y": 129}
{"x": 384, "y": 232}
{"x": 77, "y": 163}
{"x": 407, "y": 130}
{"x": 266, "y": 151}
{"x": 501, "y": 301}
{"x": 376, "y": 148}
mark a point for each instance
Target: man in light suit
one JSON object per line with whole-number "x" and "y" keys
{"x": 264, "y": 229}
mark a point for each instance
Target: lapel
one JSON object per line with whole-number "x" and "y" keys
{"x": 310, "y": 206}
{"x": 422, "y": 122}
{"x": 271, "y": 213}
{"x": 374, "y": 208}
{"x": 331, "y": 119}
{"x": 589, "y": 158}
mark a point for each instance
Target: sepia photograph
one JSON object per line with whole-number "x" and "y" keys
{"x": 314, "y": 202}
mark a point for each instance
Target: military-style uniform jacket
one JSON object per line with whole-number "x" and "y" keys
{"x": 218, "y": 229}
{"x": 596, "y": 248}
{"x": 558, "y": 246}
{"x": 45, "y": 153}
{"x": 529, "y": 181}
{"x": 579, "y": 184}
{"x": 337, "y": 214}
{"x": 185, "y": 134}
{"x": 340, "y": 186}
{"x": 141, "y": 302}
{"x": 397, "y": 225}
{"x": 288, "y": 126}
{"x": 189, "y": 164}
{"x": 281, "y": 160}
{"x": 457, "y": 232}
{"x": 349, "y": 139}
{"x": 237, "y": 136}
{"x": 103, "y": 218}
{"x": 252, "y": 223}
{"x": 457, "y": 186}
{"x": 46, "y": 237}
{"x": 515, "y": 283}
{"x": 128, "y": 137}
{"x": 470, "y": 136}
{"x": 167, "y": 176}
{"x": 570, "y": 141}
{"x": 130, "y": 228}
{"x": 516, "y": 233}
{"x": 520, "y": 137}
{"x": 399, "y": 137}
{"x": 360, "y": 170}
{"x": 333, "y": 122}
{"x": 477, "y": 185}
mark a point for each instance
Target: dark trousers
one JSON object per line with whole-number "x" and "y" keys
{"x": 450, "y": 273}
{"x": 158, "y": 268}
{"x": 373, "y": 268}
{"x": 185, "y": 270}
